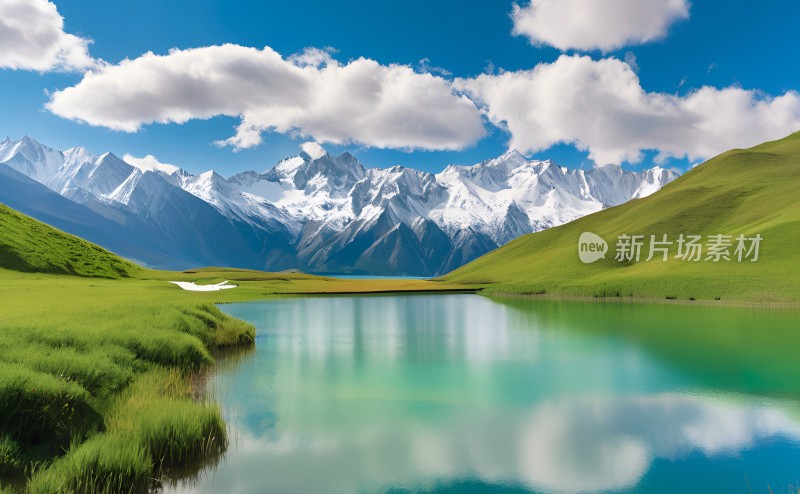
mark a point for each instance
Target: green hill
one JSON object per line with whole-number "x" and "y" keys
{"x": 752, "y": 191}
{"x": 31, "y": 246}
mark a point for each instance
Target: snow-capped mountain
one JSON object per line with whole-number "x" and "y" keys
{"x": 328, "y": 214}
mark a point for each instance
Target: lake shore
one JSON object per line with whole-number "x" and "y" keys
{"x": 108, "y": 368}
{"x": 117, "y": 349}
{"x": 639, "y": 300}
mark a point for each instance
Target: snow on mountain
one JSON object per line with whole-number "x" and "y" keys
{"x": 330, "y": 214}
{"x": 150, "y": 164}
{"x": 235, "y": 203}
{"x": 30, "y": 158}
{"x": 146, "y": 215}
{"x": 486, "y": 195}
{"x": 504, "y": 197}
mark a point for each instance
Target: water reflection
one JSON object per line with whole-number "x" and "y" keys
{"x": 380, "y": 394}
{"x": 608, "y": 444}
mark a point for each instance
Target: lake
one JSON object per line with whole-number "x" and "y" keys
{"x": 462, "y": 393}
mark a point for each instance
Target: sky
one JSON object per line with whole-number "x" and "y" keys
{"x": 239, "y": 85}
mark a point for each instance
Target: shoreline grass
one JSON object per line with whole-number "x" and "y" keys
{"x": 88, "y": 365}
{"x": 512, "y": 291}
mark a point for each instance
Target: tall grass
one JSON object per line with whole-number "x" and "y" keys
{"x": 161, "y": 413}
{"x": 44, "y": 411}
{"x": 154, "y": 427}
{"x": 105, "y": 464}
{"x": 98, "y": 381}
{"x": 7, "y": 490}
{"x": 10, "y": 460}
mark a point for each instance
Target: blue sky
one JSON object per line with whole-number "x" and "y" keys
{"x": 722, "y": 44}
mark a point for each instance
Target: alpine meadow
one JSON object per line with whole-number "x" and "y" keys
{"x": 494, "y": 247}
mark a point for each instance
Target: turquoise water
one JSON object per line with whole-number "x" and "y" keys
{"x": 460, "y": 393}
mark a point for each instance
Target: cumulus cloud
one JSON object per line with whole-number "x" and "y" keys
{"x": 363, "y": 102}
{"x": 593, "y": 24}
{"x": 313, "y": 149}
{"x": 32, "y": 37}
{"x": 600, "y": 106}
{"x": 149, "y": 163}
{"x": 314, "y": 57}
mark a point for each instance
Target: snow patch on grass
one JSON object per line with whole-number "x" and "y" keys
{"x": 193, "y": 287}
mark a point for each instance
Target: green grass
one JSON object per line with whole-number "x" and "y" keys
{"x": 96, "y": 367}
{"x": 153, "y": 427}
{"x": 30, "y": 246}
{"x": 86, "y": 362}
{"x": 105, "y": 464}
{"x": 9, "y": 456}
{"x": 749, "y": 192}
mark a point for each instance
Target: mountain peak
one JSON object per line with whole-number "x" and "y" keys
{"x": 78, "y": 153}
{"x": 512, "y": 153}
{"x": 308, "y": 157}
{"x": 111, "y": 159}
{"x": 212, "y": 180}
{"x": 28, "y": 142}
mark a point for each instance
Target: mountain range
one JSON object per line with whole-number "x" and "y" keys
{"x": 322, "y": 214}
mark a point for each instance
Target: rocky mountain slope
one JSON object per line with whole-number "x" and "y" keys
{"x": 328, "y": 214}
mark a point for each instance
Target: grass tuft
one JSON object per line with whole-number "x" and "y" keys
{"x": 43, "y": 411}
{"x": 161, "y": 414}
{"x": 105, "y": 464}
{"x": 10, "y": 461}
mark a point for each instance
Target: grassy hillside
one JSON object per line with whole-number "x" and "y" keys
{"x": 31, "y": 246}
{"x": 752, "y": 191}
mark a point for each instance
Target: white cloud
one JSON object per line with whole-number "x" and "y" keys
{"x": 313, "y": 149}
{"x": 594, "y": 24}
{"x": 314, "y": 57}
{"x": 149, "y": 163}
{"x": 424, "y": 65}
{"x": 600, "y": 106}
{"x": 361, "y": 102}
{"x": 32, "y": 37}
